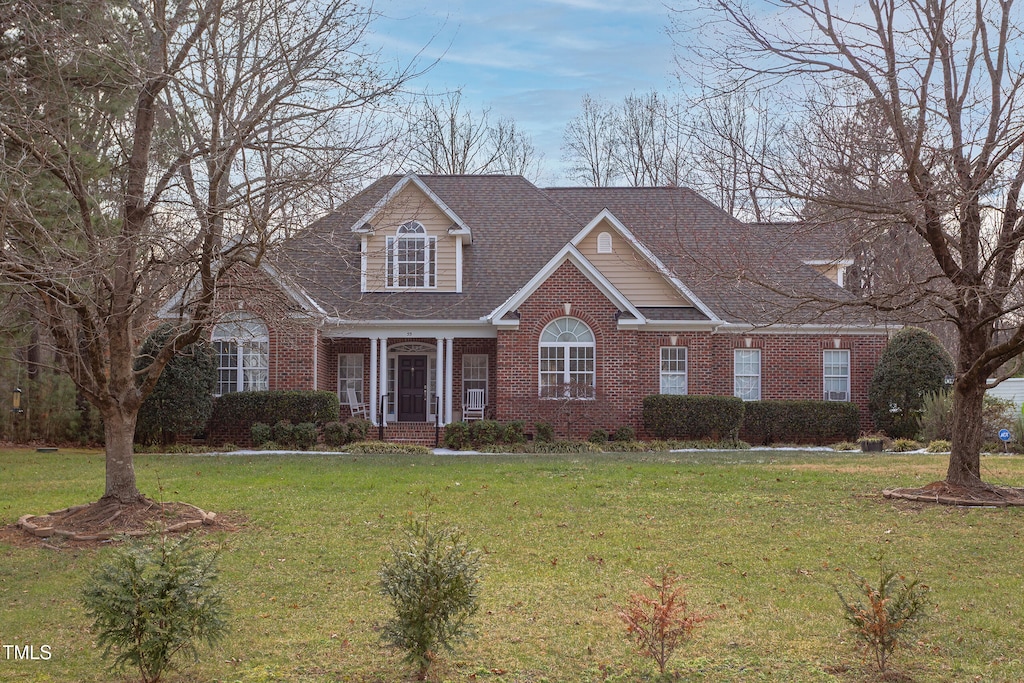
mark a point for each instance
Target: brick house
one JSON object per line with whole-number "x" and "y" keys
{"x": 567, "y": 305}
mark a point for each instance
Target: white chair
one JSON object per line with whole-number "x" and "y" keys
{"x": 358, "y": 409}
{"x": 474, "y": 408}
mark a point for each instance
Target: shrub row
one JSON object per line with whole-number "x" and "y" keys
{"x": 673, "y": 416}
{"x": 245, "y": 408}
{"x": 716, "y": 417}
{"x": 460, "y": 435}
{"x": 766, "y": 422}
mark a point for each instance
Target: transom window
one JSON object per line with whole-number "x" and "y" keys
{"x": 412, "y": 256}
{"x": 747, "y": 374}
{"x": 673, "y": 370}
{"x": 567, "y": 359}
{"x": 242, "y": 344}
{"x": 836, "y": 374}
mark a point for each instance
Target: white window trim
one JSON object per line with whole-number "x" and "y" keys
{"x": 826, "y": 394}
{"x": 685, "y": 372}
{"x": 429, "y": 256}
{"x": 566, "y": 371}
{"x": 342, "y": 394}
{"x": 736, "y": 376}
{"x": 486, "y": 379}
{"x": 242, "y": 344}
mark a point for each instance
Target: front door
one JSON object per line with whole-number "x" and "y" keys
{"x": 412, "y": 388}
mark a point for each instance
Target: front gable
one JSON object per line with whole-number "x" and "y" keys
{"x": 627, "y": 269}
{"x": 432, "y": 259}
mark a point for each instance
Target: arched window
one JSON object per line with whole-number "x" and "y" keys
{"x": 412, "y": 255}
{"x": 242, "y": 343}
{"x": 567, "y": 359}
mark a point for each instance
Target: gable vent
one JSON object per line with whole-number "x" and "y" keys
{"x": 604, "y": 243}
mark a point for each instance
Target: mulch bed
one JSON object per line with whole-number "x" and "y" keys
{"x": 104, "y": 521}
{"x": 943, "y": 493}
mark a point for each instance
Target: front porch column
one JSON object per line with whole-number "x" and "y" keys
{"x": 449, "y": 367}
{"x": 374, "y": 365}
{"x": 383, "y": 359}
{"x": 439, "y": 381}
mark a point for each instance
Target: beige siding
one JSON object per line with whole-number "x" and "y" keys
{"x": 410, "y": 205}
{"x": 829, "y": 270}
{"x": 630, "y": 272}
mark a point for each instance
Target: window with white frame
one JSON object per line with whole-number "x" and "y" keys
{"x": 412, "y": 256}
{"x": 836, "y": 374}
{"x": 474, "y": 374}
{"x": 673, "y": 370}
{"x": 747, "y": 374}
{"x": 242, "y": 345}
{"x": 350, "y": 375}
{"x": 567, "y": 359}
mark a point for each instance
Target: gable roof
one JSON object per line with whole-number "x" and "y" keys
{"x": 519, "y": 230}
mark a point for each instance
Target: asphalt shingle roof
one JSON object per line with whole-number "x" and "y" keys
{"x": 517, "y": 228}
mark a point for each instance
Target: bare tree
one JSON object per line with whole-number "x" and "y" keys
{"x": 945, "y": 79}
{"x": 148, "y": 146}
{"x": 444, "y": 137}
{"x": 589, "y": 144}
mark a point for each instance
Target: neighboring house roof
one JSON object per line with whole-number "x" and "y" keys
{"x": 518, "y": 228}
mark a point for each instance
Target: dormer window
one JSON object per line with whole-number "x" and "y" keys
{"x": 412, "y": 257}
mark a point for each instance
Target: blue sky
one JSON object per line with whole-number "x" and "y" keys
{"x": 532, "y": 60}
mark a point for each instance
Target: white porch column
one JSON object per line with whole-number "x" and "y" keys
{"x": 374, "y": 365}
{"x": 383, "y": 358}
{"x": 449, "y": 366}
{"x": 439, "y": 380}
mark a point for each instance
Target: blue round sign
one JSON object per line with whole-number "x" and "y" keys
{"x": 1004, "y": 434}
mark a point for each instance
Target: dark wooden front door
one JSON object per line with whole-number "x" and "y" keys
{"x": 412, "y": 388}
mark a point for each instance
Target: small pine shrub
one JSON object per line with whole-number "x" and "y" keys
{"x": 261, "y": 433}
{"x": 598, "y": 436}
{"x": 284, "y": 433}
{"x": 624, "y": 433}
{"x": 904, "y": 446}
{"x": 304, "y": 435}
{"x": 658, "y": 625}
{"x": 939, "y": 446}
{"x": 885, "y": 614}
{"x": 335, "y": 434}
{"x": 514, "y": 433}
{"x": 456, "y": 436}
{"x": 545, "y": 432}
{"x": 432, "y": 583}
{"x": 151, "y": 600}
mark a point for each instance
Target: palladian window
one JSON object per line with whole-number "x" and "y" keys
{"x": 242, "y": 344}
{"x": 567, "y": 359}
{"x": 412, "y": 257}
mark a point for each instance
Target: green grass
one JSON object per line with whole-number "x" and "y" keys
{"x": 759, "y": 537}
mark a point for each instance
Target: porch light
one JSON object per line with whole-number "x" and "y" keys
{"x": 16, "y": 401}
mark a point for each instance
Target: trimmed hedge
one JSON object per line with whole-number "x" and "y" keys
{"x": 673, "y": 416}
{"x": 818, "y": 422}
{"x": 245, "y": 408}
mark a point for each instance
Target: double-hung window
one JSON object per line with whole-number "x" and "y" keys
{"x": 350, "y": 375}
{"x": 567, "y": 359}
{"x": 673, "y": 370}
{"x": 836, "y": 374}
{"x": 474, "y": 374}
{"x": 242, "y": 345}
{"x": 412, "y": 257}
{"x": 747, "y": 374}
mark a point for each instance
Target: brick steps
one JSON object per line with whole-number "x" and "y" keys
{"x": 421, "y": 433}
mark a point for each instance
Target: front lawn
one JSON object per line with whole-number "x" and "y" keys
{"x": 759, "y": 537}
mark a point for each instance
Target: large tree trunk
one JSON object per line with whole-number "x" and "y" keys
{"x": 965, "y": 458}
{"x": 119, "y": 430}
